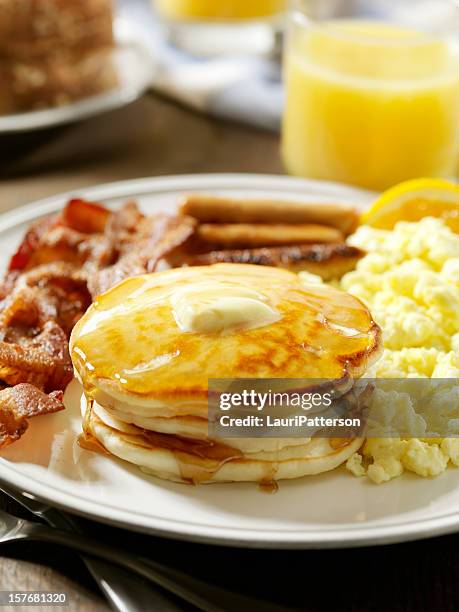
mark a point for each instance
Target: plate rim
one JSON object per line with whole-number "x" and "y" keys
{"x": 342, "y": 537}
{"x": 168, "y": 183}
{"x": 333, "y": 537}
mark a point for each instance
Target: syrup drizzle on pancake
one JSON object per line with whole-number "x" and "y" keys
{"x": 86, "y": 439}
{"x": 198, "y": 460}
{"x": 130, "y": 338}
{"x": 268, "y": 486}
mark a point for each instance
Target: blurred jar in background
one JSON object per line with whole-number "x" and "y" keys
{"x": 209, "y": 27}
{"x": 372, "y": 90}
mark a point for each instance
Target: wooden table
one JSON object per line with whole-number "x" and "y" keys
{"x": 151, "y": 137}
{"x": 154, "y": 137}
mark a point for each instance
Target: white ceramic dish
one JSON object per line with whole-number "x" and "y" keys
{"x": 331, "y": 510}
{"x": 135, "y": 68}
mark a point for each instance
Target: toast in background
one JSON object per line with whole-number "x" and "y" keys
{"x": 53, "y": 52}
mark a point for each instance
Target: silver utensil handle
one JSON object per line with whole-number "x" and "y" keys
{"x": 173, "y": 582}
{"x": 124, "y": 591}
{"x": 202, "y": 595}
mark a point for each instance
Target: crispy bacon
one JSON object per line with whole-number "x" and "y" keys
{"x": 156, "y": 237}
{"x": 47, "y": 289}
{"x": 86, "y": 217}
{"x": 21, "y": 402}
{"x": 53, "y": 292}
{"x": 44, "y": 294}
{"x": 125, "y": 226}
{"x": 42, "y": 360}
{"x": 41, "y": 245}
{"x": 21, "y": 259}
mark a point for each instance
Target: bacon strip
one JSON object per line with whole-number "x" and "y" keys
{"x": 46, "y": 290}
{"x": 21, "y": 402}
{"x": 55, "y": 291}
{"x": 29, "y": 245}
{"x": 85, "y": 217}
{"x": 44, "y": 294}
{"x": 43, "y": 360}
{"x": 156, "y": 237}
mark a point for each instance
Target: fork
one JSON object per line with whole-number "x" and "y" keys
{"x": 206, "y": 597}
{"x": 13, "y": 529}
{"x": 124, "y": 591}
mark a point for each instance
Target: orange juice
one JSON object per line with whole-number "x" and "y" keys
{"x": 370, "y": 104}
{"x": 219, "y": 9}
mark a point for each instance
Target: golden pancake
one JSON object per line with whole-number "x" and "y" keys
{"x": 185, "y": 460}
{"x": 129, "y": 345}
{"x": 146, "y": 349}
{"x": 193, "y": 428}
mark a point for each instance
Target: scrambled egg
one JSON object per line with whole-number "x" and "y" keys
{"x": 410, "y": 281}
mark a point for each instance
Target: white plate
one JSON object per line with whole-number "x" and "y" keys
{"x": 333, "y": 509}
{"x": 135, "y": 69}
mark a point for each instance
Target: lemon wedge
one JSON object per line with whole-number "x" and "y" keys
{"x": 413, "y": 200}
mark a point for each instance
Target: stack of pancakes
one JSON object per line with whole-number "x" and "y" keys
{"x": 53, "y": 52}
{"x": 145, "y": 377}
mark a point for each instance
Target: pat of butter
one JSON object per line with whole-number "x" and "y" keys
{"x": 310, "y": 279}
{"x": 209, "y": 307}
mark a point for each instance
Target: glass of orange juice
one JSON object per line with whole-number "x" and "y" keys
{"x": 209, "y": 27}
{"x": 372, "y": 90}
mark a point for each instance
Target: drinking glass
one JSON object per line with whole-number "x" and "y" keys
{"x": 372, "y": 90}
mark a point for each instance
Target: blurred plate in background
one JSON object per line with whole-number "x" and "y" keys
{"x": 135, "y": 68}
